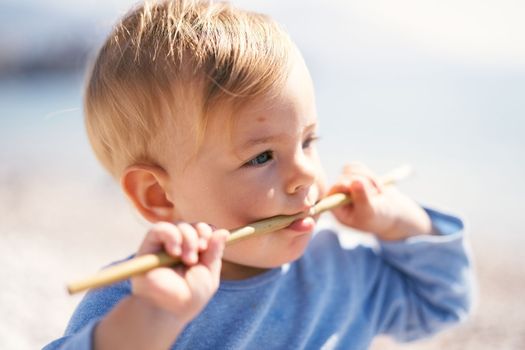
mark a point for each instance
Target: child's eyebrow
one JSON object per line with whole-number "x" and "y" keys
{"x": 270, "y": 138}
{"x": 261, "y": 140}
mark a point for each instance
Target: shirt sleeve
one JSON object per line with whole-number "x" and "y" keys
{"x": 424, "y": 283}
{"x": 95, "y": 305}
{"x": 82, "y": 340}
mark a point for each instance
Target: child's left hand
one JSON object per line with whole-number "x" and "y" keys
{"x": 377, "y": 209}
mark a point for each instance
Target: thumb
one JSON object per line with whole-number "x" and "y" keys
{"x": 360, "y": 196}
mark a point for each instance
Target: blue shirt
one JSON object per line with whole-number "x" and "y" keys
{"x": 333, "y": 297}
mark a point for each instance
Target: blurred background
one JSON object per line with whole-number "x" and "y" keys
{"x": 437, "y": 84}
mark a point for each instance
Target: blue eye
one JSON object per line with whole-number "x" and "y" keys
{"x": 262, "y": 158}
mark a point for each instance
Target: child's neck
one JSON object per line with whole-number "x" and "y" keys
{"x": 233, "y": 271}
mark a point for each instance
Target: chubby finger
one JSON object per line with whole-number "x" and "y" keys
{"x": 204, "y": 232}
{"x": 203, "y": 278}
{"x": 190, "y": 243}
{"x": 212, "y": 256}
{"x": 360, "y": 170}
{"x": 340, "y": 187}
{"x": 357, "y": 190}
{"x": 360, "y": 194}
{"x": 344, "y": 183}
{"x": 162, "y": 235}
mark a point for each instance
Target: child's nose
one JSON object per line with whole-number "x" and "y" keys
{"x": 302, "y": 173}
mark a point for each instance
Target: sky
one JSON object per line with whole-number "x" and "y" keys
{"x": 484, "y": 33}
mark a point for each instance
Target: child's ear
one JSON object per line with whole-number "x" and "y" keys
{"x": 147, "y": 187}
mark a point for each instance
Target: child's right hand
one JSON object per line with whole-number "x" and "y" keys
{"x": 183, "y": 291}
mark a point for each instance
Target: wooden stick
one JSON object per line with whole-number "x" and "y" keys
{"x": 148, "y": 262}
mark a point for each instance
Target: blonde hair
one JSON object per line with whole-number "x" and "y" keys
{"x": 163, "y": 51}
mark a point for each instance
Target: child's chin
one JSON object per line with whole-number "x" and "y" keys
{"x": 290, "y": 256}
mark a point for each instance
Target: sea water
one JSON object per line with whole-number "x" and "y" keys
{"x": 463, "y": 131}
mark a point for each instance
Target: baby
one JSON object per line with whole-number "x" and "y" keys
{"x": 206, "y": 115}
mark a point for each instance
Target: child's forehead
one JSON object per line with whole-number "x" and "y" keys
{"x": 288, "y": 106}
{"x": 277, "y": 107}
{"x": 264, "y": 121}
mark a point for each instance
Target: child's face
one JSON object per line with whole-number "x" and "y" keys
{"x": 268, "y": 165}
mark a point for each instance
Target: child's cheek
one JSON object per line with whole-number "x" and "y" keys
{"x": 321, "y": 182}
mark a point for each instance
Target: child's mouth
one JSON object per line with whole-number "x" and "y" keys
{"x": 306, "y": 224}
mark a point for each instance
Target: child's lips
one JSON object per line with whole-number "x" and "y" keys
{"x": 306, "y": 224}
